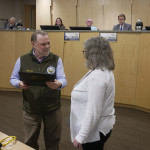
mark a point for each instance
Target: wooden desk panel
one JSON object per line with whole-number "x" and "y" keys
{"x": 22, "y": 43}
{"x": 74, "y": 61}
{"x": 143, "y": 74}
{"x": 131, "y": 54}
{"x": 126, "y": 61}
{"x": 7, "y": 53}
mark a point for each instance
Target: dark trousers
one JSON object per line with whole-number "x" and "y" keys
{"x": 98, "y": 145}
{"x": 52, "y": 129}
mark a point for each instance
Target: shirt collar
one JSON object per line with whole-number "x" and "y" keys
{"x": 122, "y": 26}
{"x": 39, "y": 59}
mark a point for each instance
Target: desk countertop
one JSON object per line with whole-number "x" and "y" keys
{"x": 17, "y": 146}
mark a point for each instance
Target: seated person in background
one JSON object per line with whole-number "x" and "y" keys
{"x": 122, "y": 25}
{"x": 60, "y": 24}
{"x": 89, "y": 23}
{"x": 12, "y": 23}
{"x": 5, "y": 24}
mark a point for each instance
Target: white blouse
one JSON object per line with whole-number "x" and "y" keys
{"x": 92, "y": 106}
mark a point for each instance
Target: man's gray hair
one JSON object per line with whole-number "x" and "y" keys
{"x": 13, "y": 18}
{"x": 89, "y": 19}
{"x": 98, "y": 54}
{"x": 34, "y": 35}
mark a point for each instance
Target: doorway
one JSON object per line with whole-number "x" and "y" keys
{"x": 30, "y": 16}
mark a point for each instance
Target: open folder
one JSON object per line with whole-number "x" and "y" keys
{"x": 36, "y": 79}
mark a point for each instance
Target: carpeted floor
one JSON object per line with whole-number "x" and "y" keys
{"x": 131, "y": 131}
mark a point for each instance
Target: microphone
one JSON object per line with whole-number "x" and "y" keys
{"x": 19, "y": 24}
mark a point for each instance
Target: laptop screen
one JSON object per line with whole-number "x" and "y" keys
{"x": 147, "y": 27}
{"x": 80, "y": 28}
{"x": 49, "y": 27}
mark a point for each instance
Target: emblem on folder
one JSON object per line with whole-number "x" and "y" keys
{"x": 50, "y": 70}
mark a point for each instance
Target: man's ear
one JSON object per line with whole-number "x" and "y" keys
{"x": 32, "y": 44}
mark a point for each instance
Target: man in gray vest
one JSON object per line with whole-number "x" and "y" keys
{"x": 122, "y": 25}
{"x": 41, "y": 103}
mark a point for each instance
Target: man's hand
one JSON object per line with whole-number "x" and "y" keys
{"x": 23, "y": 86}
{"x": 54, "y": 85}
{"x": 76, "y": 143}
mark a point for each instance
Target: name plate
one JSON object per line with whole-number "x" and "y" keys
{"x": 71, "y": 36}
{"x": 109, "y": 36}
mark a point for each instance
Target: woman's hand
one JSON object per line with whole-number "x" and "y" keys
{"x": 76, "y": 143}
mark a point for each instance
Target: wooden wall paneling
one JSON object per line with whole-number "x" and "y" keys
{"x": 7, "y": 42}
{"x": 74, "y": 61}
{"x": 141, "y": 9}
{"x": 143, "y": 78}
{"x": 103, "y": 12}
{"x": 148, "y": 14}
{"x": 111, "y": 11}
{"x": 126, "y": 61}
{"x": 66, "y": 10}
{"x": 43, "y": 16}
{"x": 90, "y": 9}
